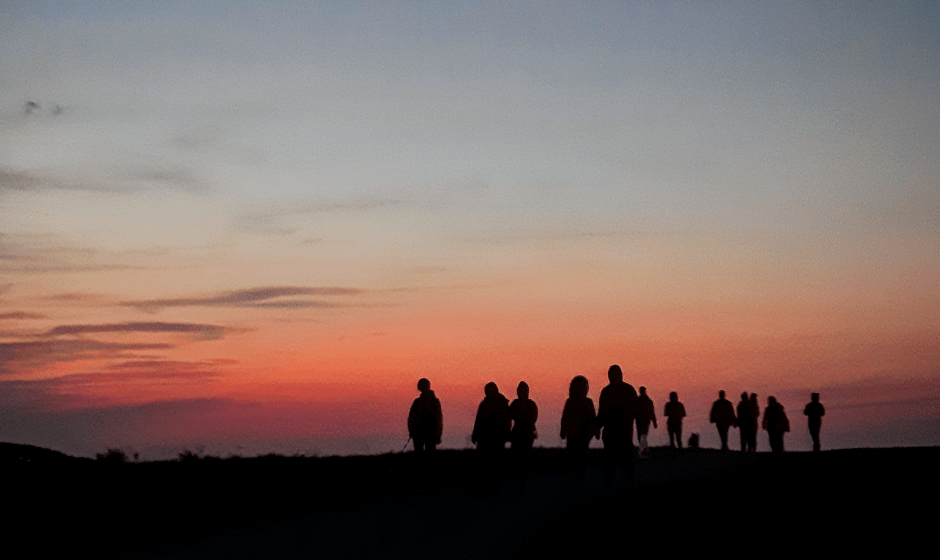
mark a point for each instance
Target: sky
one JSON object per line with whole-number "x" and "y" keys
{"x": 246, "y": 227}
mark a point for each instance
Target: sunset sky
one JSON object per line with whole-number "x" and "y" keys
{"x": 251, "y": 227}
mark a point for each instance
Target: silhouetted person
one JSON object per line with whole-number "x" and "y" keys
{"x": 425, "y": 420}
{"x": 776, "y": 424}
{"x": 745, "y": 422}
{"x": 814, "y": 412}
{"x": 523, "y": 412}
{"x": 646, "y": 414}
{"x": 755, "y": 414}
{"x": 578, "y": 425}
{"x": 491, "y": 431}
{"x": 616, "y": 412}
{"x": 674, "y": 413}
{"x": 722, "y": 416}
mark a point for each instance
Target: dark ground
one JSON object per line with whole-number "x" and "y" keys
{"x": 354, "y": 507}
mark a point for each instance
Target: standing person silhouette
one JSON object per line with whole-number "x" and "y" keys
{"x": 776, "y": 424}
{"x": 578, "y": 426}
{"x": 491, "y": 432}
{"x": 524, "y": 413}
{"x": 745, "y": 423}
{"x": 616, "y": 412}
{"x": 674, "y": 413}
{"x": 425, "y": 419}
{"x": 755, "y": 414}
{"x": 814, "y": 412}
{"x": 722, "y": 416}
{"x": 646, "y": 414}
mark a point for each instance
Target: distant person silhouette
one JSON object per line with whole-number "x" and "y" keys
{"x": 425, "y": 419}
{"x": 745, "y": 422}
{"x": 722, "y": 416}
{"x": 755, "y": 414}
{"x": 674, "y": 413}
{"x": 491, "y": 432}
{"x": 646, "y": 414}
{"x": 814, "y": 412}
{"x": 776, "y": 424}
{"x": 617, "y": 409}
{"x": 524, "y": 413}
{"x": 578, "y": 425}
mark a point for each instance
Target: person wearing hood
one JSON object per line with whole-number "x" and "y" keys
{"x": 524, "y": 413}
{"x": 491, "y": 431}
{"x": 425, "y": 420}
{"x": 492, "y": 425}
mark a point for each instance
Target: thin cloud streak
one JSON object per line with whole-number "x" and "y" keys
{"x": 252, "y": 297}
{"x": 106, "y": 180}
{"x": 202, "y": 331}
{"x": 20, "y": 315}
{"x": 268, "y": 221}
{"x": 20, "y": 357}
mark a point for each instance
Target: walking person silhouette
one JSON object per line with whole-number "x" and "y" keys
{"x": 814, "y": 412}
{"x": 722, "y": 416}
{"x": 674, "y": 412}
{"x": 646, "y": 414}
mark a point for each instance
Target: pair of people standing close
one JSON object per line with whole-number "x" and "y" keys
{"x": 618, "y": 407}
{"x": 497, "y": 422}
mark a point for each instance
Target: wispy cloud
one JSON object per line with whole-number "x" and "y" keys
{"x": 263, "y": 297}
{"x": 269, "y": 220}
{"x": 199, "y": 331}
{"x": 20, "y": 315}
{"x": 107, "y": 179}
{"x": 46, "y": 253}
{"x": 17, "y": 180}
{"x": 22, "y": 356}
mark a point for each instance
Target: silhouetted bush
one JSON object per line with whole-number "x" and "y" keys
{"x": 113, "y": 455}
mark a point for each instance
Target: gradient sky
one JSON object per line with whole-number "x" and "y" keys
{"x": 252, "y": 227}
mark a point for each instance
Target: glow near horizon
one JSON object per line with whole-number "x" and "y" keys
{"x": 713, "y": 198}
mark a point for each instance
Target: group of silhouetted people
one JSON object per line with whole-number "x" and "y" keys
{"x": 619, "y": 407}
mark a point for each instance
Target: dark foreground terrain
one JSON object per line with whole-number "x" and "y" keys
{"x": 383, "y": 506}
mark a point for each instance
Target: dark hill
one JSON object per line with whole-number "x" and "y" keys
{"x": 379, "y": 506}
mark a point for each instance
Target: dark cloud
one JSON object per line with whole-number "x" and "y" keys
{"x": 18, "y": 315}
{"x": 200, "y": 331}
{"x": 18, "y": 357}
{"x": 253, "y": 297}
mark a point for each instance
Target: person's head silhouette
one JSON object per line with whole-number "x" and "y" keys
{"x": 522, "y": 391}
{"x": 579, "y": 387}
{"x": 424, "y": 385}
{"x": 490, "y": 389}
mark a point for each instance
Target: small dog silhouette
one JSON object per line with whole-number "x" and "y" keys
{"x": 693, "y": 441}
